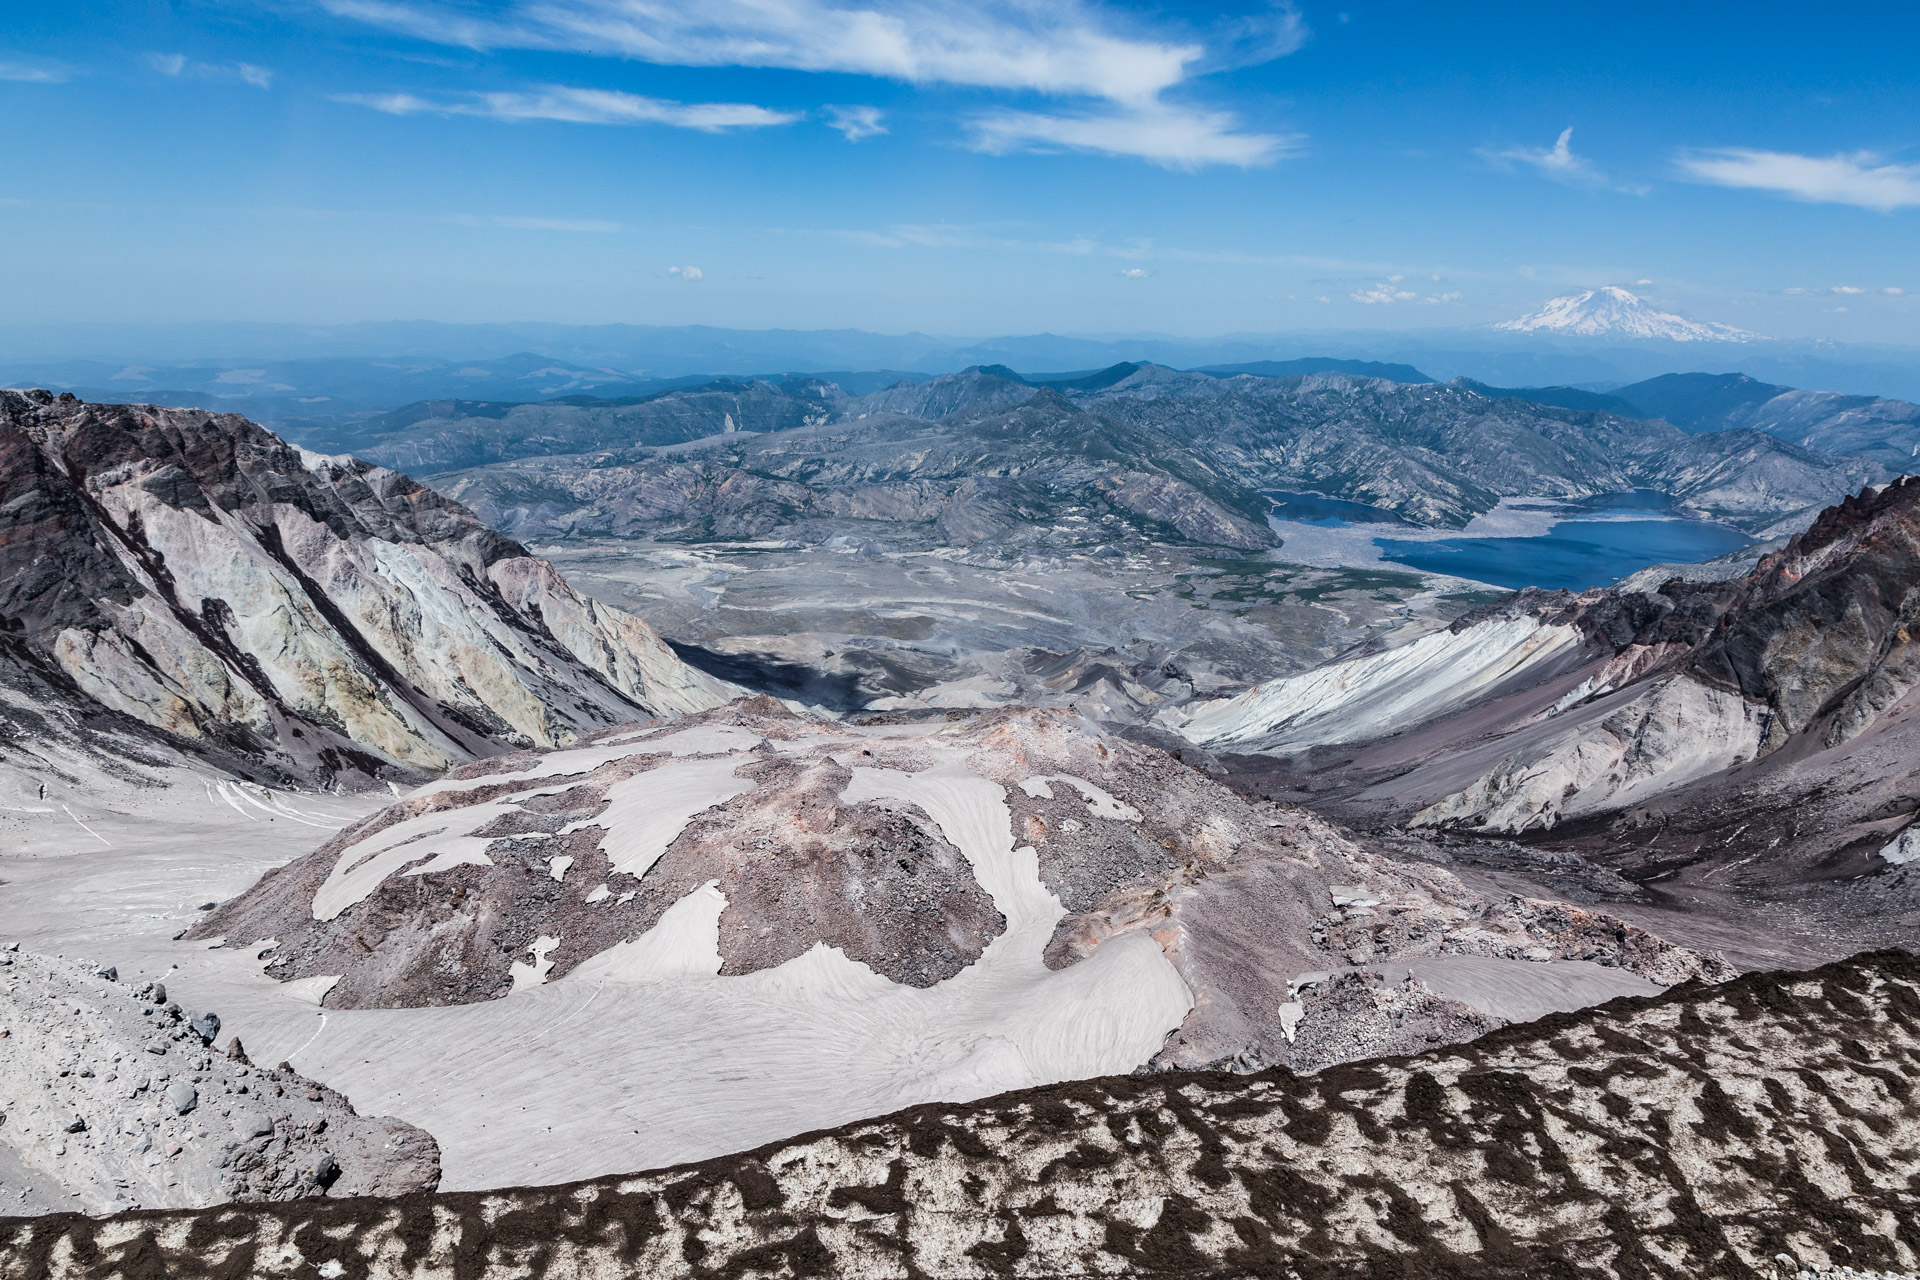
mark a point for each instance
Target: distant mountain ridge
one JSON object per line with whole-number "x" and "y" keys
{"x": 974, "y": 459}
{"x": 1881, "y": 430}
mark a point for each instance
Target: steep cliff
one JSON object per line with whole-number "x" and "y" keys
{"x": 307, "y": 617}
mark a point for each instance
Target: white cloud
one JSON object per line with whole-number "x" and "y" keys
{"x": 1389, "y": 291}
{"x": 1135, "y": 273}
{"x": 1860, "y": 179}
{"x": 179, "y": 66}
{"x": 1560, "y": 163}
{"x": 686, "y": 273}
{"x": 1067, "y": 48}
{"x": 1640, "y": 283}
{"x": 1557, "y": 162}
{"x": 21, "y": 73}
{"x": 856, "y": 122}
{"x": 1845, "y": 290}
{"x": 580, "y": 106}
{"x": 1177, "y": 137}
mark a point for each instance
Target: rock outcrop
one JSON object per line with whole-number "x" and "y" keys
{"x": 1706, "y": 1132}
{"x": 298, "y": 617}
{"x": 113, "y": 1096}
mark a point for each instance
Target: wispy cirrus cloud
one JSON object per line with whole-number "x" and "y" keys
{"x": 856, "y": 122}
{"x": 1560, "y": 163}
{"x": 1845, "y": 290}
{"x": 1177, "y": 137}
{"x": 181, "y": 67}
{"x": 1863, "y": 178}
{"x": 32, "y": 73}
{"x": 579, "y": 106}
{"x": 1123, "y": 66}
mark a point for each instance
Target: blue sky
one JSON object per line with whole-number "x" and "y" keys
{"x": 963, "y": 168}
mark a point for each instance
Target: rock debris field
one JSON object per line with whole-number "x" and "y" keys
{"x": 1763, "y": 1126}
{"x": 112, "y": 1096}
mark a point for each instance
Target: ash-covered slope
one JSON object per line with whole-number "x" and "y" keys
{"x": 1023, "y": 865}
{"x": 1767, "y": 721}
{"x": 1705, "y": 1132}
{"x": 283, "y": 613}
{"x": 112, "y": 1096}
{"x": 1044, "y": 472}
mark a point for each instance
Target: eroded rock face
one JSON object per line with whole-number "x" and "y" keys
{"x": 1022, "y": 844}
{"x": 1703, "y": 1132}
{"x": 316, "y": 616}
{"x": 1550, "y": 707}
{"x": 113, "y": 1096}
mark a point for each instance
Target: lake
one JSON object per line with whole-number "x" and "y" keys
{"x": 1602, "y": 540}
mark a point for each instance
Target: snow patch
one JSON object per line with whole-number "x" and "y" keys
{"x": 532, "y": 975}
{"x": 1100, "y": 802}
{"x": 1903, "y": 848}
{"x": 645, "y": 813}
{"x": 683, "y": 943}
{"x": 1380, "y": 693}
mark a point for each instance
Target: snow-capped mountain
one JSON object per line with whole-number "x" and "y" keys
{"x": 1612, "y": 312}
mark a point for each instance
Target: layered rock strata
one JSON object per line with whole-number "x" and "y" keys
{"x": 305, "y": 617}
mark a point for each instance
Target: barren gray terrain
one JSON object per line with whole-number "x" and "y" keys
{"x": 585, "y": 947}
{"x": 1745, "y": 1129}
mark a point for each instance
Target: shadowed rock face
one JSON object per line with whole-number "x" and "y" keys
{"x": 1698, "y": 1133}
{"x": 313, "y": 617}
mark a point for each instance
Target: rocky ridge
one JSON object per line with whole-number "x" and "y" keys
{"x": 1763, "y": 1127}
{"x": 977, "y": 458}
{"x": 287, "y": 615}
{"x": 1886, "y": 431}
{"x": 113, "y": 1096}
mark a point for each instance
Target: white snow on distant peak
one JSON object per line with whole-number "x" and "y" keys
{"x": 1612, "y": 312}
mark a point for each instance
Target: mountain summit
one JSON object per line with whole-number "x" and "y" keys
{"x": 1612, "y": 312}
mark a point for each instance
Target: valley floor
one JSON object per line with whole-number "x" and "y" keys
{"x": 882, "y": 627}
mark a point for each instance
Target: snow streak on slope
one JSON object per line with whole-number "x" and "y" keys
{"x": 1375, "y": 695}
